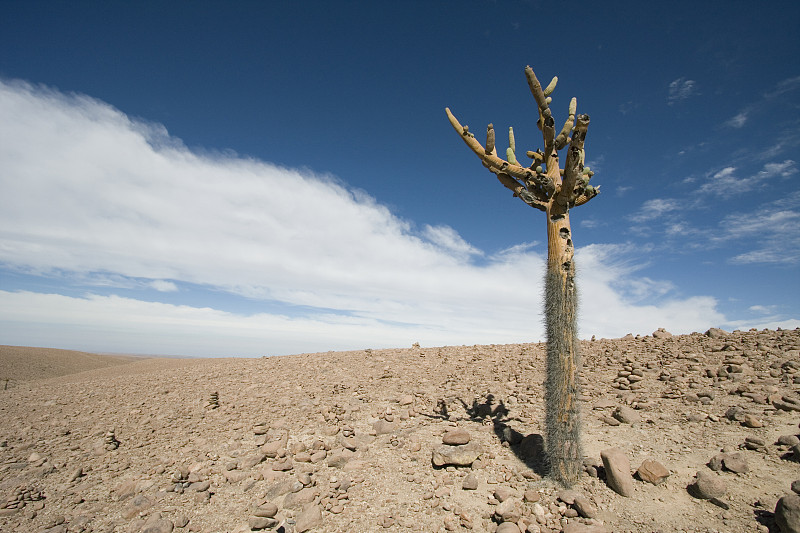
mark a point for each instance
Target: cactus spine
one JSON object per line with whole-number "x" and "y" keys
{"x": 546, "y": 187}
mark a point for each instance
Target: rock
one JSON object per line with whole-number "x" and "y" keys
{"x": 626, "y": 415}
{"x": 267, "y": 510}
{"x": 283, "y": 465}
{"x": 470, "y": 482}
{"x": 752, "y": 422}
{"x": 661, "y": 333}
{"x": 382, "y": 427}
{"x": 456, "y": 437}
{"x": 796, "y": 486}
{"x": 507, "y": 527}
{"x": 159, "y": 526}
{"x": 735, "y": 462}
{"x": 652, "y": 472}
{"x": 716, "y": 333}
{"x": 532, "y": 446}
{"x": 788, "y": 440}
{"x": 300, "y": 498}
{"x": 531, "y": 496}
{"x": 502, "y": 493}
{"x": 509, "y": 510}
{"x": 787, "y": 513}
{"x": 456, "y": 455}
{"x": 261, "y": 522}
{"x": 754, "y": 443}
{"x": 138, "y": 504}
{"x": 618, "y": 471}
{"x": 339, "y": 459}
{"x": 584, "y": 506}
{"x": 310, "y": 518}
{"x": 707, "y": 485}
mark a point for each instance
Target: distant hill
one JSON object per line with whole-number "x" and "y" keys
{"x": 23, "y": 363}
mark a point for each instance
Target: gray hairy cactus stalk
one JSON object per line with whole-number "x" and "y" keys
{"x": 545, "y": 186}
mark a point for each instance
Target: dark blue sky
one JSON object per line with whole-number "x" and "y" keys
{"x": 694, "y": 132}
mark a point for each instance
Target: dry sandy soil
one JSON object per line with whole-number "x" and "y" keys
{"x": 344, "y": 442}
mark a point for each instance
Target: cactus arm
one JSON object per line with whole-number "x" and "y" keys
{"x": 490, "y": 149}
{"x": 536, "y": 90}
{"x": 521, "y": 192}
{"x": 563, "y": 137}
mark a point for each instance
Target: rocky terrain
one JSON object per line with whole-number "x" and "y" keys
{"x": 681, "y": 433}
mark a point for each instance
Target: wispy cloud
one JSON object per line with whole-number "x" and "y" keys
{"x": 775, "y": 236}
{"x": 784, "y": 86}
{"x": 93, "y": 196}
{"x": 680, "y": 89}
{"x": 449, "y": 240}
{"x": 655, "y": 208}
{"x": 726, "y": 183}
{"x": 738, "y": 120}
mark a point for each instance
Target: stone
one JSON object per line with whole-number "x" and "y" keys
{"x": 138, "y": 504}
{"x": 159, "y": 526}
{"x": 340, "y": 458}
{"x": 531, "y": 446}
{"x": 456, "y": 455}
{"x": 502, "y": 493}
{"x": 752, "y": 422}
{"x": 708, "y": 485}
{"x": 310, "y": 518}
{"x": 382, "y": 427}
{"x": 584, "y": 506}
{"x": 456, "y": 437}
{"x": 261, "y": 522}
{"x": 531, "y": 496}
{"x": 626, "y": 415}
{"x": 470, "y": 482}
{"x": 787, "y": 513}
{"x": 716, "y": 333}
{"x": 662, "y": 333}
{"x": 735, "y": 462}
{"x": 507, "y": 527}
{"x": 618, "y": 471}
{"x": 652, "y": 472}
{"x": 788, "y": 440}
{"x": 300, "y": 498}
{"x": 796, "y": 486}
{"x": 267, "y": 510}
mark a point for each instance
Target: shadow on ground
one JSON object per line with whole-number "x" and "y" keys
{"x": 487, "y": 410}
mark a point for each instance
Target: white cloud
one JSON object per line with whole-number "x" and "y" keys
{"x": 449, "y": 239}
{"x": 655, "y": 208}
{"x": 726, "y": 183}
{"x": 93, "y": 197}
{"x": 681, "y": 89}
{"x": 775, "y": 234}
{"x": 163, "y": 285}
{"x": 612, "y": 298}
{"x": 737, "y": 121}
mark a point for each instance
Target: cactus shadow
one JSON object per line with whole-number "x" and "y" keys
{"x": 530, "y": 448}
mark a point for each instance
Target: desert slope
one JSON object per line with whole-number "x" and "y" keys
{"x": 348, "y": 441}
{"x": 22, "y": 363}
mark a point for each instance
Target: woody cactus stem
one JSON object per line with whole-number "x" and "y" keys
{"x": 546, "y": 187}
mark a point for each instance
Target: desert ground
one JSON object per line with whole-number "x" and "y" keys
{"x": 683, "y": 433}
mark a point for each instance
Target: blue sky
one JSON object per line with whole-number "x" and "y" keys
{"x": 261, "y": 178}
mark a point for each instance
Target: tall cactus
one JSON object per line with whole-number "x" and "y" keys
{"x": 546, "y": 187}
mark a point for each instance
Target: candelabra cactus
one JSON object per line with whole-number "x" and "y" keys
{"x": 547, "y": 187}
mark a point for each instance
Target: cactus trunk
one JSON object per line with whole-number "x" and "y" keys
{"x": 562, "y": 415}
